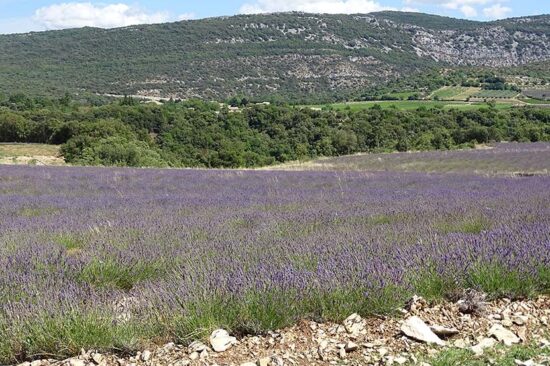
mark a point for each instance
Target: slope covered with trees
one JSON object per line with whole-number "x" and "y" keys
{"x": 199, "y": 134}
{"x": 288, "y": 56}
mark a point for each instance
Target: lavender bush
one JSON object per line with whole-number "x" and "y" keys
{"x": 115, "y": 258}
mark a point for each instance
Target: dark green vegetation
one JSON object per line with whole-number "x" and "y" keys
{"x": 295, "y": 57}
{"x": 200, "y": 134}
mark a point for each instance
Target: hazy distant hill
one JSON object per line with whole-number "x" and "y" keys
{"x": 287, "y": 55}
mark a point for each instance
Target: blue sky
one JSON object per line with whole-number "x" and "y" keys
{"x": 33, "y": 15}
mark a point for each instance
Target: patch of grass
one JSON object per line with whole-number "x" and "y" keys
{"x": 257, "y": 313}
{"x": 30, "y": 212}
{"x": 380, "y": 219}
{"x": 450, "y": 92}
{"x": 498, "y": 281}
{"x": 109, "y": 273}
{"x": 339, "y": 304}
{"x": 64, "y": 335}
{"x": 466, "y": 225}
{"x": 70, "y": 242}
{"x": 500, "y": 356}
{"x": 535, "y": 101}
{"x": 433, "y": 286}
{"x": 455, "y": 357}
{"x": 254, "y": 313}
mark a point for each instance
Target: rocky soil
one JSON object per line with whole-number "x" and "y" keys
{"x": 422, "y": 331}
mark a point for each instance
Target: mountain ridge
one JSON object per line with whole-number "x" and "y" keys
{"x": 284, "y": 56}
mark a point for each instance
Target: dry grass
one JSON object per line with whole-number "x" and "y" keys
{"x": 30, "y": 154}
{"x": 495, "y": 159}
{"x": 13, "y": 150}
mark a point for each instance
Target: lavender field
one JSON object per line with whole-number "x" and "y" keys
{"x": 115, "y": 259}
{"x": 493, "y": 159}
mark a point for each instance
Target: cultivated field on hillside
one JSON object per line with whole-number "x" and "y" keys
{"x": 542, "y": 93}
{"x": 116, "y": 259}
{"x": 494, "y": 159}
{"x": 455, "y": 92}
{"x": 413, "y": 105}
{"x": 492, "y": 94}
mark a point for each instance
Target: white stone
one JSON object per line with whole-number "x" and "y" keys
{"x": 277, "y": 361}
{"x": 197, "y": 347}
{"x": 203, "y": 354}
{"x": 525, "y": 363}
{"x": 146, "y": 356}
{"x": 221, "y": 340}
{"x": 460, "y": 343}
{"x": 354, "y": 324}
{"x": 520, "y": 320}
{"x": 483, "y": 344}
{"x": 350, "y": 347}
{"x": 98, "y": 358}
{"x": 415, "y": 328}
{"x": 504, "y": 335}
{"x": 443, "y": 331}
{"x": 76, "y": 362}
{"x": 401, "y": 360}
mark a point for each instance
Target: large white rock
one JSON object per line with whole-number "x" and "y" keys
{"x": 416, "y": 329}
{"x": 503, "y": 335}
{"x": 221, "y": 340}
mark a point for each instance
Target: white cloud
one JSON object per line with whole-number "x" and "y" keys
{"x": 470, "y": 8}
{"x": 468, "y": 11}
{"x": 75, "y": 14}
{"x": 452, "y": 4}
{"x": 314, "y": 6}
{"x": 496, "y": 11}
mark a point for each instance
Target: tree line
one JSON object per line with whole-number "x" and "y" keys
{"x": 205, "y": 134}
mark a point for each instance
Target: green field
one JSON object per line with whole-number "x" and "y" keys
{"x": 536, "y": 101}
{"x": 454, "y": 93}
{"x": 409, "y": 105}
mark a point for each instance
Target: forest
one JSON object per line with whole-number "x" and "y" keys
{"x": 195, "y": 133}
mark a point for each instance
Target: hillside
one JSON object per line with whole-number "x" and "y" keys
{"x": 275, "y": 56}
